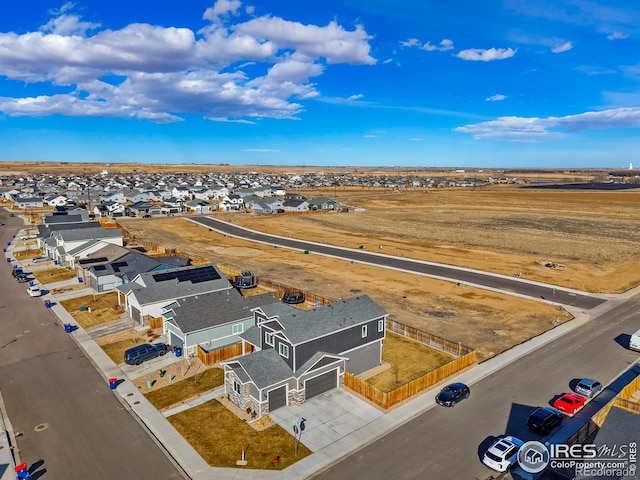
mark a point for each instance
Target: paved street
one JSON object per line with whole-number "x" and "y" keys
{"x": 448, "y": 443}
{"x": 471, "y": 277}
{"x": 67, "y": 420}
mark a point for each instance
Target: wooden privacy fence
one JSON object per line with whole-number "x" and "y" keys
{"x": 154, "y": 322}
{"x": 454, "y": 348}
{"x": 278, "y": 288}
{"x": 222, "y": 354}
{"x": 388, "y": 399}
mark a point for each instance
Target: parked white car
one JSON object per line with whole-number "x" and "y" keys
{"x": 503, "y": 454}
{"x": 34, "y": 291}
{"x": 634, "y": 341}
{"x": 39, "y": 259}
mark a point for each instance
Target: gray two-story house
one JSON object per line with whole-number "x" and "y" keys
{"x": 300, "y": 354}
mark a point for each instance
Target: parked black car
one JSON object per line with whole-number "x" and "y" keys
{"x": 17, "y": 271}
{"x": 544, "y": 419}
{"x": 452, "y": 394}
{"x": 140, "y": 353}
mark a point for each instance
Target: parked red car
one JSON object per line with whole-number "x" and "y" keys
{"x": 569, "y": 403}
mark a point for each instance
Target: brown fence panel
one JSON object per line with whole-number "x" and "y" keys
{"x": 408, "y": 390}
{"x": 454, "y": 348}
{"x": 222, "y": 354}
{"x": 154, "y": 322}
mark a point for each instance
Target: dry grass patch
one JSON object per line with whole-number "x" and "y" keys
{"x": 218, "y": 436}
{"x": 27, "y": 254}
{"x": 186, "y": 389}
{"x": 116, "y": 350}
{"x": 408, "y": 359}
{"x": 104, "y": 309}
{"x": 53, "y": 275}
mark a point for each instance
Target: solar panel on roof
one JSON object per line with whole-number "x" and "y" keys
{"x": 194, "y": 275}
{"x": 99, "y": 268}
{"x": 86, "y": 261}
{"x": 118, "y": 265}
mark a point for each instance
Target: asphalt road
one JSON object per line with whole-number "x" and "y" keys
{"x": 473, "y": 277}
{"x": 448, "y": 442}
{"x": 70, "y": 425}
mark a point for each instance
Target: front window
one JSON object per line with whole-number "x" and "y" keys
{"x": 236, "y": 386}
{"x": 364, "y": 331}
{"x": 268, "y": 338}
{"x": 283, "y": 350}
{"x": 381, "y": 325}
{"x": 237, "y": 328}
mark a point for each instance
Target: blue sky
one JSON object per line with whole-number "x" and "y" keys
{"x": 513, "y": 83}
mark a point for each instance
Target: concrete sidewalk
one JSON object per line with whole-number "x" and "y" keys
{"x": 336, "y": 427}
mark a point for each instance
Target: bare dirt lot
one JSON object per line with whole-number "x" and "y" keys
{"x": 593, "y": 236}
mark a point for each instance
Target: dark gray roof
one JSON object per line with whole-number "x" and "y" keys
{"x": 54, "y": 219}
{"x": 251, "y": 335}
{"x": 45, "y": 231}
{"x": 619, "y": 428}
{"x": 303, "y": 325}
{"x": 216, "y": 308}
{"x": 147, "y": 290}
{"x": 265, "y": 367}
{"x": 72, "y": 235}
{"x": 174, "y": 261}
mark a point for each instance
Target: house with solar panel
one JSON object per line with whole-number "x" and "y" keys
{"x": 148, "y": 293}
{"x": 104, "y": 276}
{"x": 212, "y": 321}
{"x": 299, "y": 354}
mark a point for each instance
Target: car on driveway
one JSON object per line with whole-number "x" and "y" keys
{"x": 452, "y": 394}
{"x": 138, "y": 354}
{"x": 39, "y": 259}
{"x": 588, "y": 388}
{"x": 34, "y": 291}
{"x": 569, "y": 403}
{"x": 544, "y": 419}
{"x": 503, "y": 454}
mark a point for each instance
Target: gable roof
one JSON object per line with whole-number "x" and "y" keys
{"x": 216, "y": 308}
{"x": 73, "y": 234}
{"x": 300, "y": 326}
{"x": 264, "y": 367}
{"x": 170, "y": 284}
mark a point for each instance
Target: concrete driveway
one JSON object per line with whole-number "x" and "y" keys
{"x": 329, "y": 417}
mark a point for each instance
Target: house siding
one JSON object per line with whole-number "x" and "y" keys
{"x": 276, "y": 344}
{"x": 363, "y": 358}
{"x": 339, "y": 342}
{"x": 217, "y": 337}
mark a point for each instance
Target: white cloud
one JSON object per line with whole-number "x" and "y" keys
{"x": 498, "y": 97}
{"x": 411, "y": 42}
{"x": 443, "y": 46}
{"x": 534, "y": 128}
{"x": 331, "y": 42}
{"x": 158, "y": 73}
{"x": 564, "y": 47}
{"x": 220, "y": 9}
{"x": 368, "y": 135}
{"x": 388, "y": 60}
{"x": 617, "y": 36}
{"x": 355, "y": 97}
{"x": 486, "y": 55}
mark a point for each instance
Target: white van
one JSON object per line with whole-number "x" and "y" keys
{"x": 634, "y": 342}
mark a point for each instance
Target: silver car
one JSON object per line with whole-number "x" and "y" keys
{"x": 588, "y": 388}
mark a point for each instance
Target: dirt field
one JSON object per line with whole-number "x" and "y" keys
{"x": 595, "y": 235}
